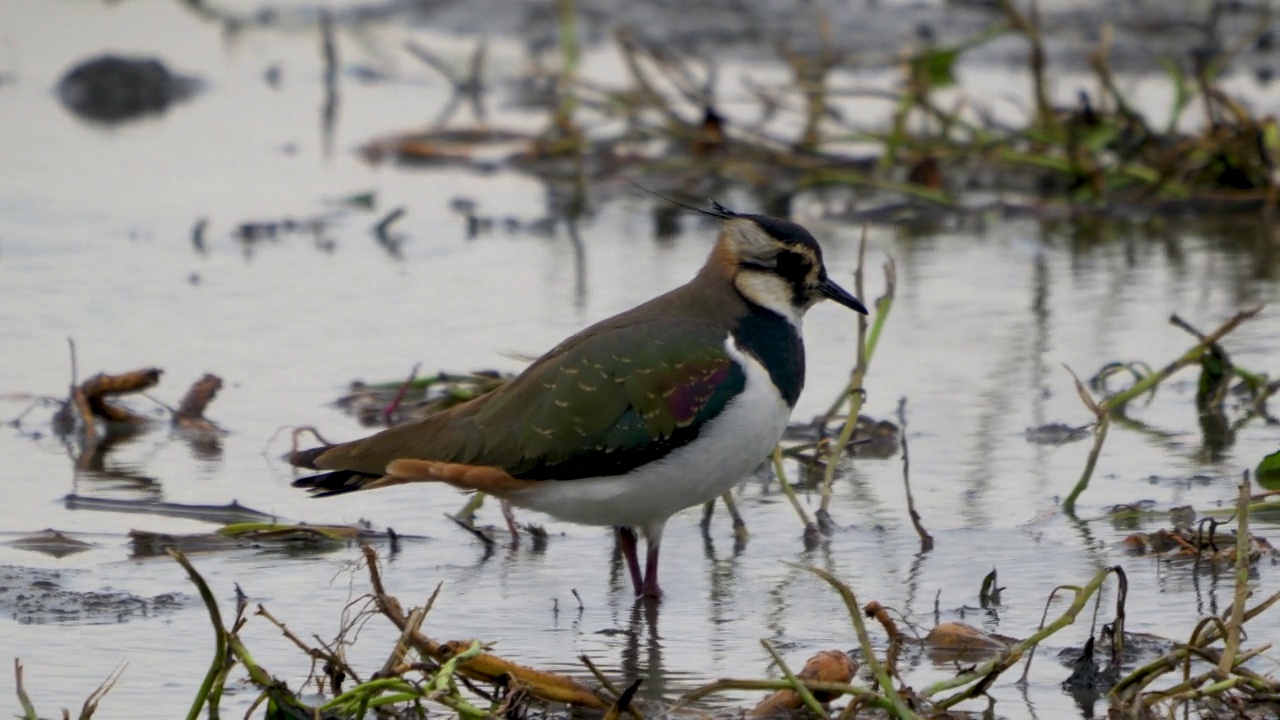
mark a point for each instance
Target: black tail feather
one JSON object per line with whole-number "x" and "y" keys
{"x": 338, "y": 482}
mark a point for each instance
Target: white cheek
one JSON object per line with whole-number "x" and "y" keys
{"x": 770, "y": 292}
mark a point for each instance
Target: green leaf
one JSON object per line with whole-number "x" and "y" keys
{"x": 1268, "y": 472}
{"x": 936, "y": 68}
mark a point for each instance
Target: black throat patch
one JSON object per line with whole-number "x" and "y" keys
{"x": 776, "y": 343}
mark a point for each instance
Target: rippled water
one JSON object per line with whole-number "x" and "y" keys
{"x": 96, "y": 245}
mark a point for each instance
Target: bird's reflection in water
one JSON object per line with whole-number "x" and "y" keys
{"x": 642, "y": 652}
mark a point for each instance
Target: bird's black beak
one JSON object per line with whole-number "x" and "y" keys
{"x": 832, "y": 291}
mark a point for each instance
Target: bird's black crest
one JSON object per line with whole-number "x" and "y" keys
{"x": 784, "y": 230}
{"x": 717, "y": 210}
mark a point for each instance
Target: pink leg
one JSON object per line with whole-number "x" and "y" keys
{"x": 651, "y": 588}
{"x": 627, "y": 541}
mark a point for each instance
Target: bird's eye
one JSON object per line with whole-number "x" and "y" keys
{"x": 793, "y": 266}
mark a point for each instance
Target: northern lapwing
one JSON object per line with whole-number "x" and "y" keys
{"x": 661, "y": 408}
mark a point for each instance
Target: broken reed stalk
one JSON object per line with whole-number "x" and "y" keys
{"x": 1102, "y": 410}
{"x": 28, "y": 709}
{"x": 926, "y": 540}
{"x": 1231, "y": 646}
{"x": 91, "y": 703}
{"x": 897, "y": 708}
{"x": 1007, "y": 658}
{"x": 1102, "y": 421}
{"x": 866, "y": 349}
{"x": 314, "y": 653}
{"x": 790, "y": 491}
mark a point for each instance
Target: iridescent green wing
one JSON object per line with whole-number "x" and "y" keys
{"x": 608, "y": 403}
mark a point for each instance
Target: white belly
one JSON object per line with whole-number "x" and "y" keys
{"x": 726, "y": 451}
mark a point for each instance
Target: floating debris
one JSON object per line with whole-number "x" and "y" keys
{"x": 51, "y": 542}
{"x": 222, "y": 514}
{"x": 1058, "y": 434}
{"x": 190, "y": 413}
{"x": 112, "y": 89}
{"x": 1199, "y": 544}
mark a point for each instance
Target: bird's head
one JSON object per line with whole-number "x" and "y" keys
{"x": 775, "y": 264}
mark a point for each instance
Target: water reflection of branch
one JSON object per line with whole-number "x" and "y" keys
{"x": 91, "y": 463}
{"x": 329, "y": 54}
{"x": 467, "y": 87}
{"x": 579, "y": 261}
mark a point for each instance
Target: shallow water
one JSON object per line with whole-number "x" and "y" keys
{"x": 95, "y": 244}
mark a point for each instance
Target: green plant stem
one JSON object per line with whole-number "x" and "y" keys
{"x": 370, "y": 688}
{"x": 569, "y": 49}
{"x": 805, "y": 694}
{"x": 1099, "y": 436}
{"x": 867, "y": 341}
{"x": 1190, "y": 357}
{"x": 219, "y": 632}
{"x": 897, "y": 707}
{"x": 862, "y": 694}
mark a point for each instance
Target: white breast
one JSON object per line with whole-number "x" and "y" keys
{"x": 727, "y": 450}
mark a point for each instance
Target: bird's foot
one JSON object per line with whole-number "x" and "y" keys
{"x": 650, "y": 590}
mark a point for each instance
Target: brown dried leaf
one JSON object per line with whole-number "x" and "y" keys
{"x": 193, "y": 404}
{"x": 959, "y": 636}
{"x": 130, "y": 382}
{"x": 826, "y": 666}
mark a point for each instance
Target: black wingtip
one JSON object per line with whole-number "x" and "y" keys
{"x": 338, "y": 482}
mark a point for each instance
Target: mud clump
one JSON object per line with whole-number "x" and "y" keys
{"x": 112, "y": 89}
{"x": 34, "y": 596}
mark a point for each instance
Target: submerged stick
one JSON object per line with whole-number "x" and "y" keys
{"x": 926, "y": 540}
